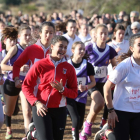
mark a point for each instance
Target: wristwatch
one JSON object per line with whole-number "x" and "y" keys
{"x": 62, "y": 90}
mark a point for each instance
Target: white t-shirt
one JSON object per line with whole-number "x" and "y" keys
{"x": 124, "y": 46}
{"x": 126, "y": 77}
{"x": 84, "y": 39}
{"x": 71, "y": 41}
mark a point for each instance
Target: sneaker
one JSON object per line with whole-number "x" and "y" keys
{"x": 32, "y": 127}
{"x": 25, "y": 138}
{"x": 87, "y": 128}
{"x": 8, "y": 135}
{"x": 100, "y": 135}
{"x": 82, "y": 137}
{"x": 29, "y": 135}
{"x": 103, "y": 122}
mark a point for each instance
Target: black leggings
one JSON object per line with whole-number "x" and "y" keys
{"x": 77, "y": 112}
{"x": 8, "y": 118}
{"x": 129, "y": 124}
{"x": 51, "y": 126}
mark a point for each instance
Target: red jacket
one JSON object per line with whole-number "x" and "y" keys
{"x": 33, "y": 53}
{"x": 46, "y": 71}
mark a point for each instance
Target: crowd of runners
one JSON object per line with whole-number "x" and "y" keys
{"x": 53, "y": 62}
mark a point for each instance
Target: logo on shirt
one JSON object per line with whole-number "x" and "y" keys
{"x": 64, "y": 71}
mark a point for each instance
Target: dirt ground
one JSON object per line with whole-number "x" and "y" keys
{"x": 18, "y": 128}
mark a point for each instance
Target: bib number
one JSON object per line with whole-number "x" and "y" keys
{"x": 134, "y": 94}
{"x": 81, "y": 81}
{"x": 100, "y": 72}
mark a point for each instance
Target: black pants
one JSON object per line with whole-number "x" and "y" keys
{"x": 77, "y": 112}
{"x": 51, "y": 126}
{"x": 128, "y": 125}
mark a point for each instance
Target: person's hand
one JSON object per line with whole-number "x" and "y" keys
{"x": 41, "y": 109}
{"x": 18, "y": 83}
{"x": 112, "y": 118}
{"x": 82, "y": 88}
{"x": 117, "y": 50}
{"x": 57, "y": 85}
{"x": 24, "y": 68}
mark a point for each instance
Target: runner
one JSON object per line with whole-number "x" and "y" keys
{"x": 124, "y": 113}
{"x": 57, "y": 81}
{"x": 71, "y": 36}
{"x": 9, "y": 39}
{"x": 121, "y": 46}
{"x": 99, "y": 55}
{"x": 76, "y": 107}
{"x": 84, "y": 35}
{"x": 33, "y": 53}
{"x": 10, "y": 91}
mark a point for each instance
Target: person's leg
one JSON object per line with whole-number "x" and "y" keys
{"x": 10, "y": 95}
{"x": 26, "y": 112}
{"x": 59, "y": 122}
{"x": 43, "y": 125}
{"x": 1, "y": 115}
{"x": 72, "y": 108}
{"x": 135, "y": 126}
{"x": 81, "y": 113}
{"x": 122, "y": 127}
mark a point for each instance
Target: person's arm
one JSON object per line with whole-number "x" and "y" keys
{"x": 9, "y": 55}
{"x": 112, "y": 117}
{"x": 113, "y": 62}
{"x": 115, "y": 77}
{"x": 29, "y": 84}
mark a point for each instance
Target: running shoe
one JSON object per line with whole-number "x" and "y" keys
{"x": 29, "y": 135}
{"x": 103, "y": 122}
{"x": 25, "y": 138}
{"x": 32, "y": 126}
{"x": 8, "y": 135}
{"x": 31, "y": 129}
{"x": 87, "y": 128}
{"x": 100, "y": 135}
{"x": 82, "y": 137}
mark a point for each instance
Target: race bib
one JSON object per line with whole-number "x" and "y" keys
{"x": 81, "y": 81}
{"x": 134, "y": 94}
{"x": 100, "y": 72}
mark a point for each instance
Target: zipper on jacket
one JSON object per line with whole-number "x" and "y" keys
{"x": 52, "y": 88}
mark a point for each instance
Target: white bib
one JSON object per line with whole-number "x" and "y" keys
{"x": 100, "y": 72}
{"x": 81, "y": 81}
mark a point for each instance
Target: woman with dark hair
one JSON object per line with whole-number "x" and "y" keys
{"x": 57, "y": 81}
{"x": 124, "y": 111}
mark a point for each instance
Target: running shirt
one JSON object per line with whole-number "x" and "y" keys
{"x": 124, "y": 46}
{"x": 83, "y": 70}
{"x": 71, "y": 41}
{"x": 11, "y": 62}
{"x": 126, "y": 77}
{"x": 84, "y": 39}
{"x": 99, "y": 58}
{"x": 4, "y": 52}
{"x": 33, "y": 54}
